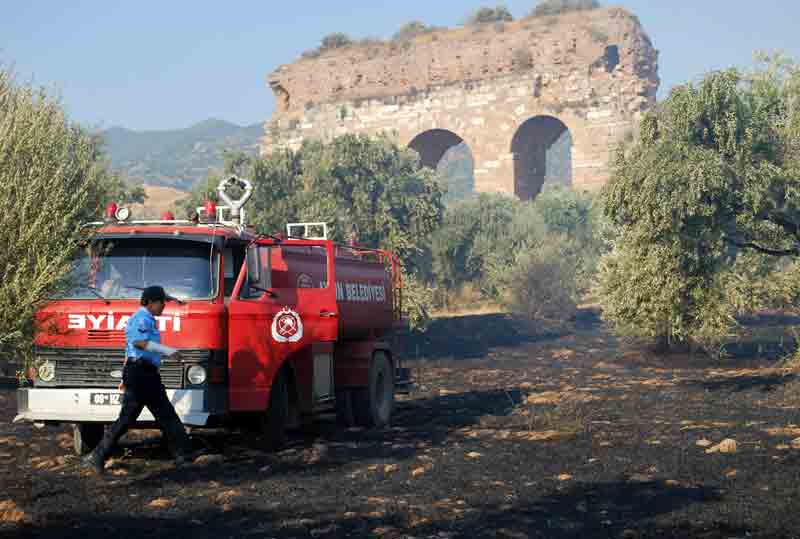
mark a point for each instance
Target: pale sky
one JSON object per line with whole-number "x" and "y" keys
{"x": 160, "y": 65}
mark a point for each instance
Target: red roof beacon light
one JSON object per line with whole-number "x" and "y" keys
{"x": 210, "y": 209}
{"x": 167, "y": 216}
{"x": 111, "y": 211}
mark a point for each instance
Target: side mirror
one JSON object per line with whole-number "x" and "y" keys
{"x": 253, "y": 267}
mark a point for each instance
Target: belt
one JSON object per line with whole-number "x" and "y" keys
{"x": 136, "y": 362}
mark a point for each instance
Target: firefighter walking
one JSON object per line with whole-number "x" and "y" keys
{"x": 141, "y": 381}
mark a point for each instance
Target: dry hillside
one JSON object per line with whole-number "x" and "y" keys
{"x": 159, "y": 199}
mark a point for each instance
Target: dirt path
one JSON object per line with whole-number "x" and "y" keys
{"x": 563, "y": 436}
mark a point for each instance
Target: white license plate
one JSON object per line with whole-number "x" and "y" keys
{"x": 105, "y": 399}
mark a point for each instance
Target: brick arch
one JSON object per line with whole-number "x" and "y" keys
{"x": 534, "y": 146}
{"x": 432, "y": 144}
{"x": 598, "y": 74}
{"x": 451, "y": 157}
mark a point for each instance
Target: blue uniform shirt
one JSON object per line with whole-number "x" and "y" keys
{"x": 142, "y": 326}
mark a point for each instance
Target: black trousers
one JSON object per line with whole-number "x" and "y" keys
{"x": 143, "y": 387}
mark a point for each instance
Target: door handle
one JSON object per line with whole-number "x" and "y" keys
{"x": 327, "y": 314}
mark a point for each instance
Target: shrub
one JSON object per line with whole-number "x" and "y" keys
{"x": 471, "y": 230}
{"x": 335, "y": 40}
{"x": 411, "y": 30}
{"x": 485, "y": 15}
{"x": 557, "y": 7}
{"x": 483, "y": 238}
{"x": 311, "y": 53}
{"x": 600, "y": 35}
{"x": 540, "y": 284}
{"x": 522, "y": 59}
{"x": 579, "y": 217}
{"x": 417, "y": 302}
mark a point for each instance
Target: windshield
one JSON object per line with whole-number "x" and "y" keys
{"x": 120, "y": 269}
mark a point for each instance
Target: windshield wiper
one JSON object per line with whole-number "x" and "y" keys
{"x": 94, "y": 291}
{"x": 268, "y": 292}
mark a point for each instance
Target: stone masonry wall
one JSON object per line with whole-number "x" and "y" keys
{"x": 595, "y": 71}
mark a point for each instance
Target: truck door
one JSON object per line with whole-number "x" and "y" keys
{"x": 275, "y": 322}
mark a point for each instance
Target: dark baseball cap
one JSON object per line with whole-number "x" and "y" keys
{"x": 155, "y": 293}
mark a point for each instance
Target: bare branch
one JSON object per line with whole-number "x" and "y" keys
{"x": 795, "y": 251}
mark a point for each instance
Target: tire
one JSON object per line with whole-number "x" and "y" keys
{"x": 275, "y": 421}
{"x": 86, "y": 437}
{"x": 373, "y": 405}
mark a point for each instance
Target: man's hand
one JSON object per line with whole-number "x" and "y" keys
{"x": 121, "y": 386}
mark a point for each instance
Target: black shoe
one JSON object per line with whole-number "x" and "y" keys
{"x": 94, "y": 462}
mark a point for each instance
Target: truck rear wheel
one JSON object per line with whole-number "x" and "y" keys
{"x": 373, "y": 405}
{"x": 86, "y": 437}
{"x": 275, "y": 421}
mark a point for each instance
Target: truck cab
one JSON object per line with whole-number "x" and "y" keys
{"x": 270, "y": 330}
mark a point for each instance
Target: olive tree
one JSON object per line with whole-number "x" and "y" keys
{"x": 485, "y": 15}
{"x": 713, "y": 173}
{"x": 53, "y": 177}
{"x": 557, "y": 7}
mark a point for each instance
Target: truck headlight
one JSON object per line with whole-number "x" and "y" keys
{"x": 196, "y": 375}
{"x": 47, "y": 371}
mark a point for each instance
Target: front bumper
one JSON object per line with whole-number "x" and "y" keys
{"x": 74, "y": 406}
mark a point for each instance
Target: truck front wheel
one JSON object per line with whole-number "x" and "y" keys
{"x": 86, "y": 437}
{"x": 274, "y": 422}
{"x": 373, "y": 405}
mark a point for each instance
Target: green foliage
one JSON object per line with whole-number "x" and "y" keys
{"x": 362, "y": 187}
{"x": 490, "y": 242}
{"x": 522, "y": 58}
{"x": 599, "y": 34}
{"x": 567, "y": 212}
{"x": 557, "y": 7}
{"x": 335, "y": 40}
{"x": 358, "y": 185}
{"x": 53, "y": 177}
{"x": 332, "y": 41}
{"x": 579, "y": 218}
{"x": 470, "y": 232}
{"x": 712, "y": 174}
{"x": 485, "y": 15}
{"x": 411, "y": 30}
{"x": 123, "y": 193}
{"x": 540, "y": 283}
{"x": 417, "y": 301}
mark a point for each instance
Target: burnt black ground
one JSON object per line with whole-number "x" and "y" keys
{"x": 509, "y": 434}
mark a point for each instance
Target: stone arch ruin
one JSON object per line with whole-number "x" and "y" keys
{"x": 431, "y": 145}
{"x": 449, "y": 155}
{"x": 537, "y": 159}
{"x": 508, "y": 92}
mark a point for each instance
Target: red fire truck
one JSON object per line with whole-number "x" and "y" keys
{"x": 271, "y": 330}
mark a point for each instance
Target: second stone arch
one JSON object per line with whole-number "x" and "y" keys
{"x": 542, "y": 151}
{"x": 451, "y": 157}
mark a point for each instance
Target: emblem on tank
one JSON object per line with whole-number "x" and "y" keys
{"x": 287, "y": 326}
